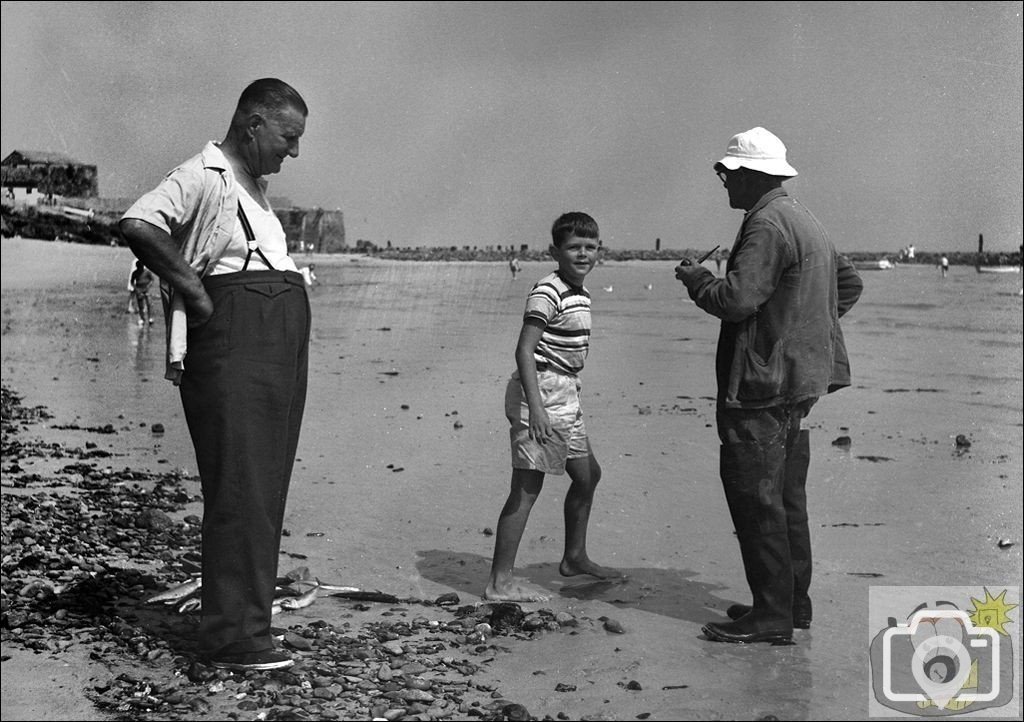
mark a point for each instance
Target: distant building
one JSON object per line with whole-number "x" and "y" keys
{"x": 71, "y": 188}
{"x": 313, "y": 229}
{"x": 33, "y": 176}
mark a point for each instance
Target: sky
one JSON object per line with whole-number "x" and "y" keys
{"x": 478, "y": 124}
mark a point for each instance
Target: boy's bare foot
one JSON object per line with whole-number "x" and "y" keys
{"x": 514, "y": 591}
{"x": 573, "y": 568}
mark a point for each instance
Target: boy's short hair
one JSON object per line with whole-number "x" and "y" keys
{"x": 572, "y": 224}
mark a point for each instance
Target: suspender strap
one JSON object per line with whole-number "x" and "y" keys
{"x": 250, "y": 239}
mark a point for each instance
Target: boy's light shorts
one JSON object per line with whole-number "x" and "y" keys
{"x": 561, "y": 396}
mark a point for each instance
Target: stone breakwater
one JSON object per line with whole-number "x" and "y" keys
{"x": 85, "y": 547}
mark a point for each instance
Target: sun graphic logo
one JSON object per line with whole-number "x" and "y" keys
{"x": 944, "y": 660}
{"x": 992, "y": 612}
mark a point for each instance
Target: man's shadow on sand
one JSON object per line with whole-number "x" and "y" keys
{"x": 105, "y": 607}
{"x": 669, "y": 592}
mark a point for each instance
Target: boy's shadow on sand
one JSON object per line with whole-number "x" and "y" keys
{"x": 669, "y": 592}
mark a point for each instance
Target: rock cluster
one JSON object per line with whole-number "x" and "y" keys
{"x": 84, "y": 549}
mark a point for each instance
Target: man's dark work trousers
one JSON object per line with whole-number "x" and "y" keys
{"x": 752, "y": 476}
{"x": 798, "y": 459}
{"x": 244, "y": 391}
{"x": 763, "y": 465}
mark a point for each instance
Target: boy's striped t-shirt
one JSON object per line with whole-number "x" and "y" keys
{"x": 565, "y": 311}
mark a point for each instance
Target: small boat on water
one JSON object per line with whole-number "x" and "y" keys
{"x": 882, "y": 264}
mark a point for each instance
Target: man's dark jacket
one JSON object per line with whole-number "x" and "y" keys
{"x": 780, "y": 301}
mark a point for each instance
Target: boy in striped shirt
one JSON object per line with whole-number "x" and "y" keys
{"x": 542, "y": 403}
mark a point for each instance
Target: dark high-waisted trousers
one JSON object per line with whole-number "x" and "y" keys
{"x": 244, "y": 391}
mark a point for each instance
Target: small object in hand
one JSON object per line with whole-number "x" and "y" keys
{"x": 690, "y": 262}
{"x": 707, "y": 255}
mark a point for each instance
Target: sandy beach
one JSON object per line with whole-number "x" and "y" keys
{"x": 403, "y": 466}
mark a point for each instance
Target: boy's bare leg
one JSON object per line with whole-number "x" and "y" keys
{"x": 584, "y": 473}
{"x": 502, "y": 586}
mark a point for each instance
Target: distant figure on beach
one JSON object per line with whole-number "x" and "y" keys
{"x": 944, "y": 266}
{"x": 142, "y": 278}
{"x": 780, "y": 348}
{"x": 235, "y": 301}
{"x": 542, "y": 404}
{"x": 720, "y": 256}
{"x": 308, "y": 276}
{"x": 131, "y": 287}
{"x": 513, "y": 266}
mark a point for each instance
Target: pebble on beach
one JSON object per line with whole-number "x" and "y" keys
{"x": 614, "y": 626}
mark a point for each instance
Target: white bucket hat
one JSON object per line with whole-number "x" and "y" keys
{"x": 757, "y": 149}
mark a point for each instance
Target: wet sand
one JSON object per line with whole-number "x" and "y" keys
{"x": 403, "y": 466}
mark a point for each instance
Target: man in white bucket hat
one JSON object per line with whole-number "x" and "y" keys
{"x": 780, "y": 348}
{"x": 760, "y": 150}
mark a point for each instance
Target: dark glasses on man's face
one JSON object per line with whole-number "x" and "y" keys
{"x": 725, "y": 175}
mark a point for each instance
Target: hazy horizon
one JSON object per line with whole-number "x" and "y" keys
{"x": 477, "y": 124}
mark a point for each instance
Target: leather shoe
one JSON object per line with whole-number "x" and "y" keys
{"x": 263, "y": 660}
{"x": 801, "y": 613}
{"x": 721, "y": 633}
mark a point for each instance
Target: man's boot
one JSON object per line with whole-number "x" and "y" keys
{"x": 798, "y": 460}
{"x": 752, "y": 475}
